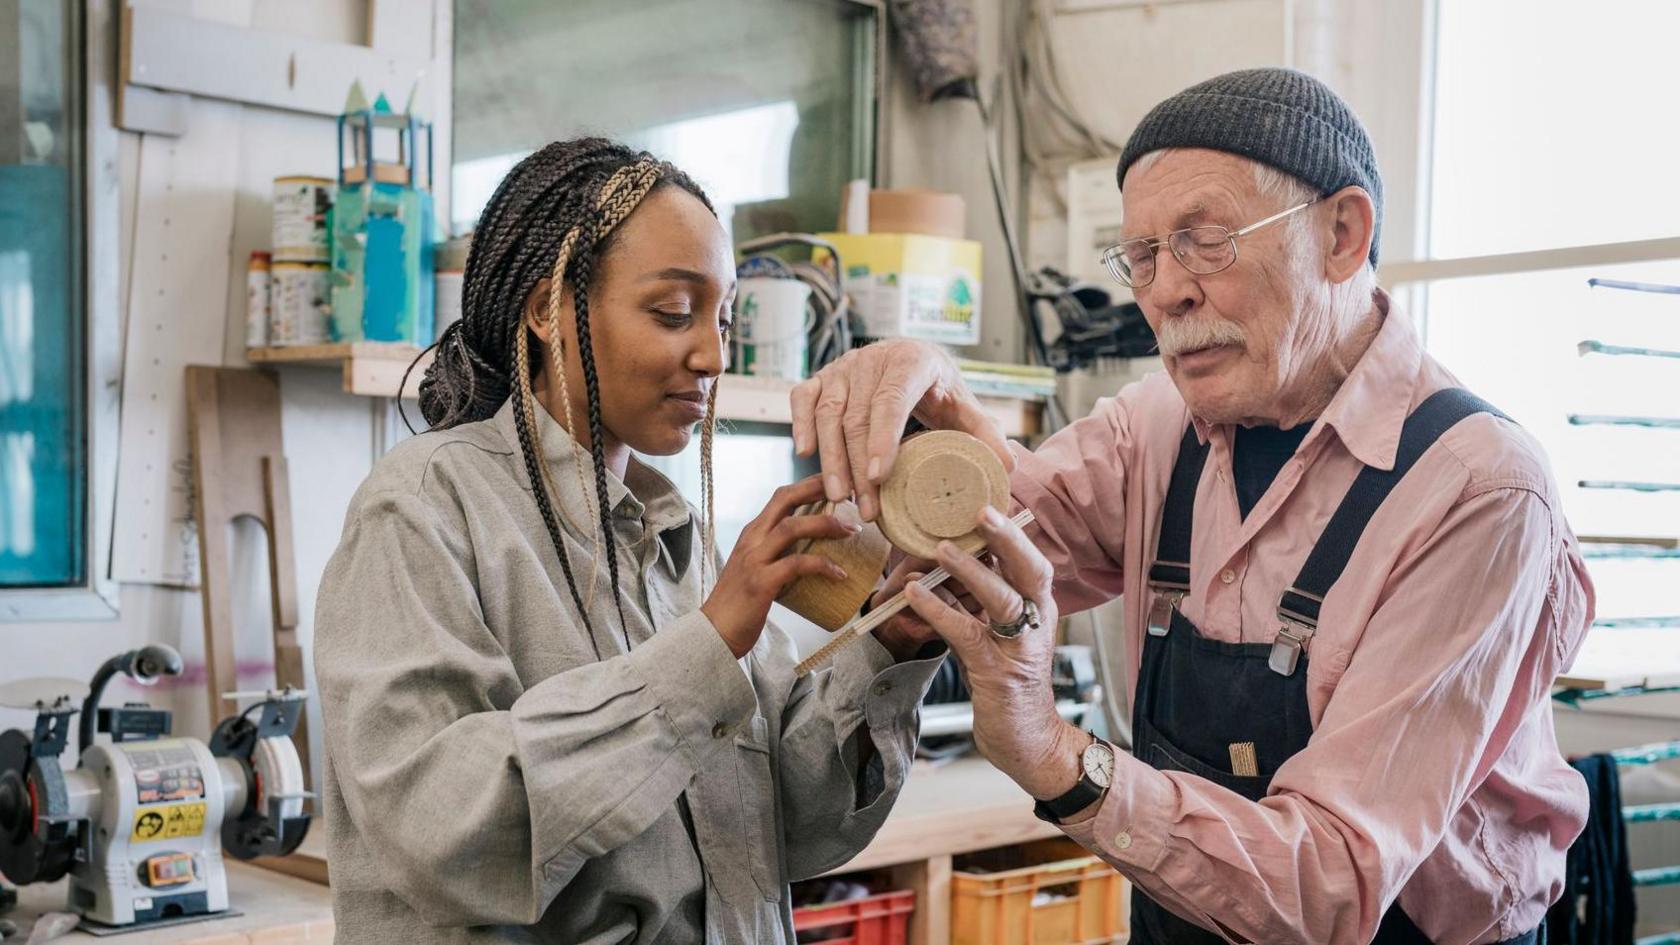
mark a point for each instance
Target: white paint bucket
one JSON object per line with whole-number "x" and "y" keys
{"x": 770, "y": 339}
{"x": 300, "y": 218}
{"x": 300, "y": 305}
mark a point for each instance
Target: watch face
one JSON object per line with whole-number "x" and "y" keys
{"x": 1098, "y": 762}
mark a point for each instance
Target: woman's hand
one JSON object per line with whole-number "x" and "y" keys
{"x": 905, "y": 633}
{"x": 760, "y": 567}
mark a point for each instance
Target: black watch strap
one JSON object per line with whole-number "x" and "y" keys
{"x": 1078, "y": 797}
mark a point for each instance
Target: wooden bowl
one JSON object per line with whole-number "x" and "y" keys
{"x": 828, "y": 603}
{"x": 941, "y": 481}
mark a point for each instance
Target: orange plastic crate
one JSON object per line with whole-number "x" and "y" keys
{"x": 878, "y": 920}
{"x": 1087, "y": 902}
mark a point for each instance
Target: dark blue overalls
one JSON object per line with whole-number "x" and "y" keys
{"x": 1208, "y": 707}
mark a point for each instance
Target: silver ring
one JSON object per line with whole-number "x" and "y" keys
{"x": 1027, "y": 621}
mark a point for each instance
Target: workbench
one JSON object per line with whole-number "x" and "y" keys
{"x": 959, "y": 807}
{"x": 275, "y": 910}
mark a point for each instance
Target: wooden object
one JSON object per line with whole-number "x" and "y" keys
{"x": 939, "y": 483}
{"x": 239, "y": 470}
{"x": 371, "y": 368}
{"x": 880, "y": 615}
{"x": 1633, "y": 657}
{"x": 823, "y": 601}
{"x": 172, "y": 52}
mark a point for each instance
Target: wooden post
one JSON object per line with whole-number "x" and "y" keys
{"x": 930, "y": 924}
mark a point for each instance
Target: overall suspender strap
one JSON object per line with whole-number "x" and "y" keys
{"x": 1171, "y": 570}
{"x": 1169, "y": 575}
{"x": 1299, "y": 606}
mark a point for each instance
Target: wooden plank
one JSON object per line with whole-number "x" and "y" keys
{"x": 1576, "y": 257}
{"x": 930, "y": 924}
{"x": 309, "y": 862}
{"x": 239, "y": 470}
{"x": 765, "y": 400}
{"x": 177, "y": 315}
{"x": 1625, "y": 658}
{"x": 332, "y": 353}
{"x": 178, "y": 53}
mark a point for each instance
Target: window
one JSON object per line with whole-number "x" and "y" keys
{"x": 768, "y": 104}
{"x": 1541, "y": 179}
{"x": 43, "y": 371}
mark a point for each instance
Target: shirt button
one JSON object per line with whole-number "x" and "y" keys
{"x": 1227, "y": 576}
{"x": 719, "y": 730}
{"x": 1122, "y": 841}
{"x": 883, "y": 688}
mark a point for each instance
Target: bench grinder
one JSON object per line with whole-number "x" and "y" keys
{"x": 141, "y": 823}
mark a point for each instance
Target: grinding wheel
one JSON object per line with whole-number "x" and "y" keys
{"x": 29, "y": 789}
{"x": 941, "y": 481}
{"x": 822, "y": 600}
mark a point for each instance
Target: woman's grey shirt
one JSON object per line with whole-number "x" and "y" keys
{"x": 490, "y": 779}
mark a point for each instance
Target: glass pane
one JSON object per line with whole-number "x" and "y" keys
{"x": 1513, "y": 339}
{"x": 766, "y": 103}
{"x": 42, "y": 423}
{"x": 1552, "y": 126}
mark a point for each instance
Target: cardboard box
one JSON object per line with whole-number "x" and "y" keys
{"x": 926, "y": 212}
{"x": 912, "y": 286}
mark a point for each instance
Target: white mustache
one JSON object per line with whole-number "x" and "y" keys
{"x": 1176, "y": 336}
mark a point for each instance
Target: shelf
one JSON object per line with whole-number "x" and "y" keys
{"x": 371, "y": 368}
{"x": 765, "y": 400}
{"x": 375, "y": 369}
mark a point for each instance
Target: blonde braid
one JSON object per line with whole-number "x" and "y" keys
{"x": 708, "y": 511}
{"x": 563, "y": 259}
{"x": 615, "y": 204}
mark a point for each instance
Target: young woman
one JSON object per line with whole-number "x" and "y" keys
{"x": 549, "y": 716}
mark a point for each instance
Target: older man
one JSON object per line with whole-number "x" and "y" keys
{"x": 1349, "y": 583}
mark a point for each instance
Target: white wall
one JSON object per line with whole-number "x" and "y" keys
{"x": 330, "y": 435}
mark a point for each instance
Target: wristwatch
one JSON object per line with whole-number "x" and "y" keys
{"x": 1096, "y": 765}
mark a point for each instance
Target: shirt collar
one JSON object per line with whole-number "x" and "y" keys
{"x": 643, "y": 494}
{"x": 1371, "y": 406}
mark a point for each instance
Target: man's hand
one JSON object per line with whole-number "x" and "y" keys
{"x": 1015, "y": 720}
{"x": 905, "y": 633}
{"x": 852, "y": 413}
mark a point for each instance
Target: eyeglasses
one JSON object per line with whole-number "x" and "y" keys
{"x": 1204, "y": 250}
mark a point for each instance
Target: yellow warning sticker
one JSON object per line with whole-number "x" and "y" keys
{"x": 169, "y": 822}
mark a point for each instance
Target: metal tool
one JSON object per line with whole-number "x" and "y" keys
{"x": 141, "y": 823}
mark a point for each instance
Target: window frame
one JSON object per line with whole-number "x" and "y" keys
{"x": 96, "y": 597}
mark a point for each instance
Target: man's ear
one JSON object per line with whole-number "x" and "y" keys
{"x": 1353, "y": 224}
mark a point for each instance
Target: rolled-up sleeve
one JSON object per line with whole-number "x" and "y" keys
{"x": 480, "y": 800}
{"x": 1464, "y": 643}
{"x": 863, "y": 706}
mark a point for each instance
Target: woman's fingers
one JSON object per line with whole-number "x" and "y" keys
{"x": 785, "y": 571}
{"x": 797, "y": 528}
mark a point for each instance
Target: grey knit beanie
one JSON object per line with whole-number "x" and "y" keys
{"x": 1280, "y": 117}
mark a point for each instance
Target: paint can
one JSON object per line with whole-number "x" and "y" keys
{"x": 300, "y": 218}
{"x": 770, "y": 328}
{"x": 300, "y": 310}
{"x": 258, "y": 277}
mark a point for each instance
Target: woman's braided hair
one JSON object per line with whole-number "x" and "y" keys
{"x": 553, "y": 216}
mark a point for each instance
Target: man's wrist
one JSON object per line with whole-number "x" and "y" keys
{"x": 1060, "y": 769}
